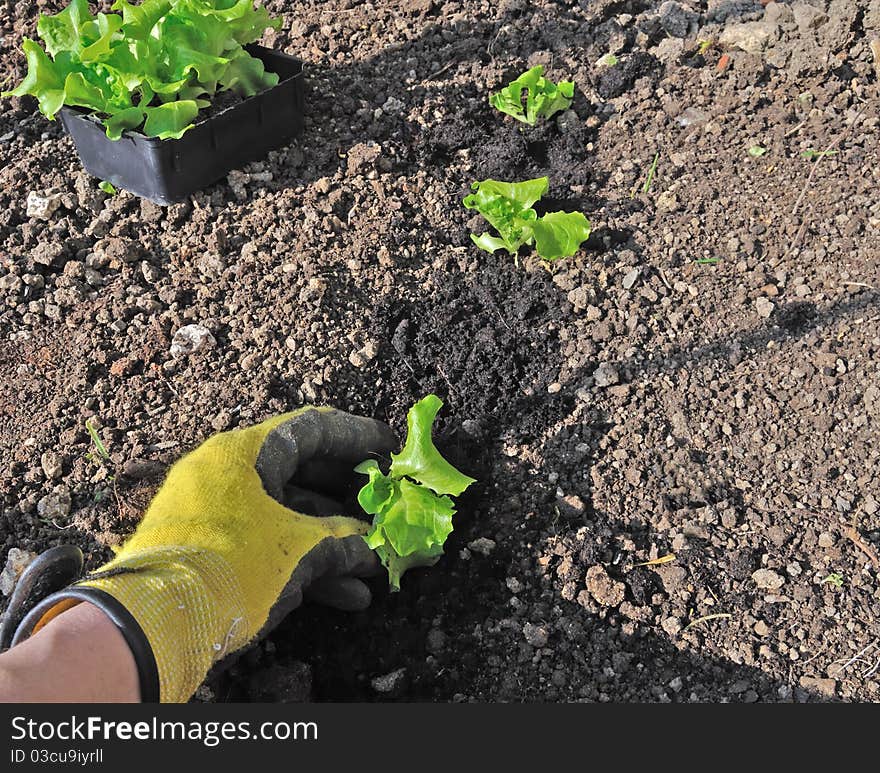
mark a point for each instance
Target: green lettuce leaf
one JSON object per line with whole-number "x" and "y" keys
{"x": 542, "y": 97}
{"x": 377, "y": 494}
{"x": 171, "y": 120}
{"x": 61, "y": 32}
{"x": 412, "y": 514}
{"x": 508, "y": 208}
{"x": 246, "y": 75}
{"x": 420, "y": 459}
{"x": 43, "y": 80}
{"x": 123, "y": 120}
{"x": 559, "y": 234}
{"x": 139, "y": 20}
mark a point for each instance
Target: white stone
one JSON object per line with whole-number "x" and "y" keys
{"x": 43, "y": 205}
{"x": 189, "y": 339}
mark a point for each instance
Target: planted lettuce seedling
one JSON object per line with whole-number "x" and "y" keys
{"x": 508, "y": 208}
{"x": 151, "y": 66}
{"x": 543, "y": 98}
{"x": 412, "y": 507}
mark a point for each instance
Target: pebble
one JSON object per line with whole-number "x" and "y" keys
{"x": 676, "y": 19}
{"x": 630, "y": 279}
{"x": 751, "y": 37}
{"x": 364, "y": 355}
{"x": 141, "y": 469}
{"x": 764, "y": 307}
{"x": 50, "y": 461}
{"x": 604, "y": 589}
{"x": 536, "y": 635}
{"x": 606, "y": 375}
{"x": 768, "y": 579}
{"x": 17, "y": 561}
{"x": 389, "y": 682}
{"x": 43, "y": 205}
{"x": 482, "y": 545}
{"x": 189, "y": 339}
{"x": 55, "y": 506}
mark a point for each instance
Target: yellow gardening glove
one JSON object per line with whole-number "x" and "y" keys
{"x": 218, "y": 560}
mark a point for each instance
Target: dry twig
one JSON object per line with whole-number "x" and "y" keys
{"x": 866, "y": 547}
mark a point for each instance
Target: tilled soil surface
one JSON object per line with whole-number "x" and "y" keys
{"x": 699, "y": 382}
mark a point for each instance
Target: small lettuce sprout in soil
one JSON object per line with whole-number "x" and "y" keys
{"x": 812, "y": 154}
{"x": 834, "y": 579}
{"x": 108, "y": 187}
{"x": 411, "y": 506}
{"x": 149, "y": 66}
{"x": 542, "y": 97}
{"x": 508, "y": 208}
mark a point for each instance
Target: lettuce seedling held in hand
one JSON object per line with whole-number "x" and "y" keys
{"x": 543, "y": 98}
{"x": 149, "y": 66}
{"x": 411, "y": 506}
{"x": 508, "y": 208}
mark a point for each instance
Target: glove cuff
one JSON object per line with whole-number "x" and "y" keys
{"x": 189, "y": 605}
{"x": 56, "y": 603}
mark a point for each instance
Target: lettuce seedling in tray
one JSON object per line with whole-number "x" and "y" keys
{"x": 150, "y": 66}
{"x": 412, "y": 507}
{"x": 508, "y": 208}
{"x": 543, "y": 98}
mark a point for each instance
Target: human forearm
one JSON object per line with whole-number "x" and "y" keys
{"x": 79, "y": 657}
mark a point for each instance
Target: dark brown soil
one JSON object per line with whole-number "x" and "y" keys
{"x": 701, "y": 379}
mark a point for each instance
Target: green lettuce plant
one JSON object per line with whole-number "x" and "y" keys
{"x": 543, "y": 97}
{"x": 508, "y": 208}
{"x": 411, "y": 507}
{"x": 148, "y": 66}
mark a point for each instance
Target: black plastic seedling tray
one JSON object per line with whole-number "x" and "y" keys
{"x": 167, "y": 171}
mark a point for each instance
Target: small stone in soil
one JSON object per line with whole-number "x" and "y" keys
{"x": 54, "y": 506}
{"x": 536, "y": 635}
{"x": 604, "y": 589}
{"x": 764, "y": 307}
{"x": 50, "y": 461}
{"x": 389, "y": 682}
{"x": 189, "y": 339}
{"x": 436, "y": 641}
{"x": 606, "y": 375}
{"x": 17, "y": 561}
{"x": 630, "y": 279}
{"x": 482, "y": 545}
{"x": 768, "y": 579}
{"x": 827, "y": 688}
{"x": 43, "y": 205}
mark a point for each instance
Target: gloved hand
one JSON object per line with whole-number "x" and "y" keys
{"x": 218, "y": 560}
